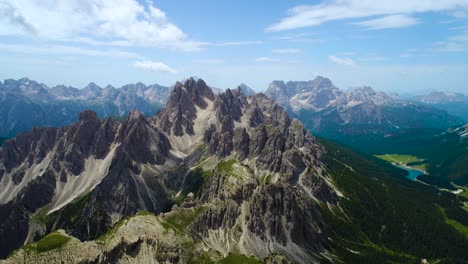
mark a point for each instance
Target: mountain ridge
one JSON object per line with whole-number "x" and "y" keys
{"x": 26, "y": 103}
{"x": 226, "y": 176}
{"x": 135, "y": 163}
{"x": 359, "y": 112}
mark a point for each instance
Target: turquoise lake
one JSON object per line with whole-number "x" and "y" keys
{"x": 412, "y": 174}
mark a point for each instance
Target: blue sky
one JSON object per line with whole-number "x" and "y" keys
{"x": 404, "y": 46}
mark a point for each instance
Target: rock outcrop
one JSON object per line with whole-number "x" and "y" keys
{"x": 248, "y": 180}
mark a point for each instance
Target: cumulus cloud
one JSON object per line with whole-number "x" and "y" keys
{"x": 154, "y": 66}
{"x": 313, "y": 15}
{"x": 117, "y": 22}
{"x": 342, "y": 60}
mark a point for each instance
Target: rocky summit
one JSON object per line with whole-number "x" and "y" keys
{"x": 214, "y": 175}
{"x": 355, "y": 116}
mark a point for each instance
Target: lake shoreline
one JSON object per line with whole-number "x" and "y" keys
{"x": 409, "y": 169}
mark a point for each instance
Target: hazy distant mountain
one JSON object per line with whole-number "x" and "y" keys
{"x": 454, "y": 103}
{"x": 360, "y": 113}
{"x": 246, "y": 89}
{"x": 294, "y": 96}
{"x": 216, "y": 90}
{"x": 440, "y": 97}
{"x": 25, "y": 103}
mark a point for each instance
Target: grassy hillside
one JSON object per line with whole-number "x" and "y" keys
{"x": 406, "y": 160}
{"x": 388, "y": 219}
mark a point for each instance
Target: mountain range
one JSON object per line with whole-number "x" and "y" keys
{"x": 25, "y": 103}
{"x": 358, "y": 115}
{"x": 454, "y": 103}
{"x": 212, "y": 178}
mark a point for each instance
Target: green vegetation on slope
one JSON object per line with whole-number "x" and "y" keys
{"x": 52, "y": 241}
{"x": 181, "y": 218}
{"x": 444, "y": 153}
{"x": 387, "y": 219}
{"x": 226, "y": 166}
{"x": 458, "y": 226}
{"x": 195, "y": 180}
{"x": 407, "y": 160}
{"x": 79, "y": 221}
{"x": 111, "y": 231}
{"x": 239, "y": 259}
{"x": 71, "y": 212}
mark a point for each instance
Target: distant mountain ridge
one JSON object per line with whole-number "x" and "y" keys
{"x": 25, "y": 103}
{"x": 360, "y": 113}
{"x": 441, "y": 97}
{"x": 452, "y": 102}
{"x": 293, "y": 96}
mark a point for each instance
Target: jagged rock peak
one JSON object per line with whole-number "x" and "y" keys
{"x": 323, "y": 80}
{"x": 92, "y": 86}
{"x": 363, "y": 89}
{"x": 185, "y": 102}
{"x": 246, "y": 89}
{"x": 88, "y": 115}
{"x": 136, "y": 114}
{"x": 195, "y": 88}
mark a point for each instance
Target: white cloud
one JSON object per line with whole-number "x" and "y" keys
{"x": 232, "y": 43}
{"x": 300, "y": 38}
{"x": 95, "y": 21}
{"x": 154, "y": 66}
{"x": 266, "y": 59}
{"x": 392, "y": 21}
{"x": 313, "y": 15}
{"x": 342, "y": 61}
{"x": 287, "y": 51}
{"x": 456, "y": 43}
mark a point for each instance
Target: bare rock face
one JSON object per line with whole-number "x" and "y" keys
{"x": 316, "y": 94}
{"x": 177, "y": 118}
{"x": 356, "y": 115}
{"x": 249, "y": 180}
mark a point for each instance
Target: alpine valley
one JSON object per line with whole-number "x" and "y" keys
{"x": 225, "y": 177}
{"x": 376, "y": 123}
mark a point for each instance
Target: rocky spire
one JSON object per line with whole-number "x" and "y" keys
{"x": 181, "y": 109}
